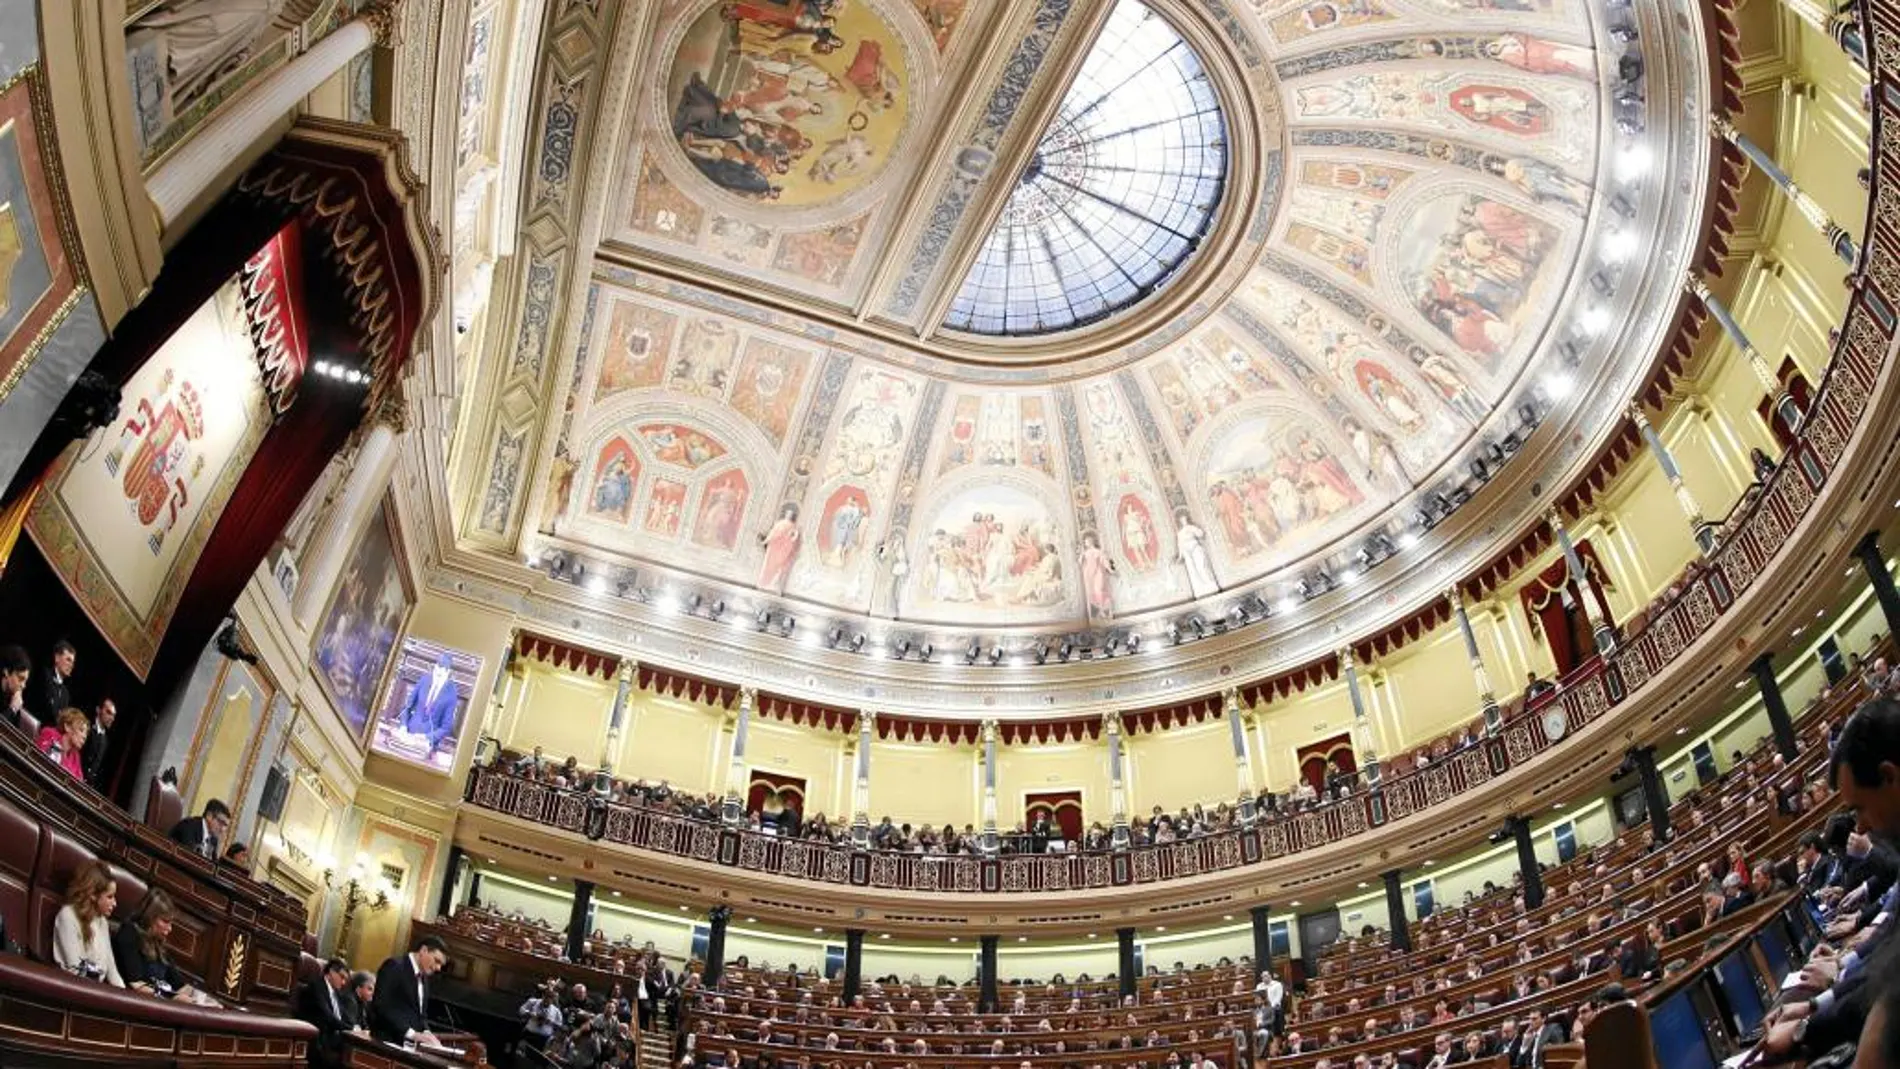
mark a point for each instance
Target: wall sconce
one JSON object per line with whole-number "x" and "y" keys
{"x": 358, "y": 890}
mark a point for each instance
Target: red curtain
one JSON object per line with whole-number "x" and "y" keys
{"x": 1063, "y": 807}
{"x": 763, "y": 785}
{"x": 1316, "y": 759}
{"x": 1564, "y": 622}
{"x": 288, "y": 462}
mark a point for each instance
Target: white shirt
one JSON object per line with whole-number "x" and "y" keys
{"x": 422, "y": 993}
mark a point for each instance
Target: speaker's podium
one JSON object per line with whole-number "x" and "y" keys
{"x": 457, "y": 1049}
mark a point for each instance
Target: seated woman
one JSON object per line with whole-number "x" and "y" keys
{"x": 82, "y": 939}
{"x": 139, "y": 948}
{"x": 64, "y": 742}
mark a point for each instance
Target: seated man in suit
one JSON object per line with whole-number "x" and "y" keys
{"x": 204, "y": 834}
{"x": 398, "y": 1011}
{"x": 356, "y": 1007}
{"x": 321, "y": 1002}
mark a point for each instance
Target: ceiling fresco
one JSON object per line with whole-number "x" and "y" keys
{"x": 1429, "y": 174}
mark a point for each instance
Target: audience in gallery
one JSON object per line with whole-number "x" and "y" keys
{"x": 41, "y": 702}
{"x": 65, "y": 742}
{"x": 1494, "y": 977}
{"x": 780, "y": 815}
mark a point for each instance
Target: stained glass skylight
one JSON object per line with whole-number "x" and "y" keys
{"x": 1119, "y": 193}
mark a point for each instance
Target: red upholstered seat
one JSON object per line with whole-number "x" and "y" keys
{"x": 164, "y": 806}
{"x": 19, "y": 857}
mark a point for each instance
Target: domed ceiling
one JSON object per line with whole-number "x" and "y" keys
{"x": 909, "y": 310}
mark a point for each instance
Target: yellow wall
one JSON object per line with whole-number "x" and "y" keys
{"x": 787, "y": 749}
{"x": 1022, "y": 770}
{"x": 1181, "y": 766}
{"x": 903, "y": 773}
{"x": 564, "y": 713}
{"x": 673, "y": 740}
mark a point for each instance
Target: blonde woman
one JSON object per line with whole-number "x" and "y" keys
{"x": 82, "y": 937}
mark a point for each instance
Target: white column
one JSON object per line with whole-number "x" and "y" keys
{"x": 188, "y": 172}
{"x": 1361, "y": 725}
{"x": 367, "y": 479}
{"x": 989, "y": 787}
{"x": 1117, "y": 793}
{"x": 735, "y": 769}
{"x": 1243, "y": 765}
{"x": 616, "y": 720}
{"x": 1586, "y": 587}
{"x": 861, "y": 789}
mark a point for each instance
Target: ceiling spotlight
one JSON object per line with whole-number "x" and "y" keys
{"x": 717, "y": 610}
{"x": 786, "y": 623}
{"x": 1288, "y": 605}
{"x": 924, "y": 653}
{"x": 1619, "y": 245}
{"x": 597, "y": 586}
{"x": 901, "y": 648}
{"x": 1237, "y": 615}
{"x": 1040, "y": 652}
{"x": 974, "y": 651}
{"x": 1594, "y": 320}
{"x": 1066, "y": 651}
{"x": 1199, "y": 625}
{"x": 1558, "y": 386}
{"x": 1114, "y": 645}
{"x": 996, "y": 654}
{"x": 764, "y": 619}
{"x": 857, "y": 642}
{"x": 692, "y": 603}
{"x": 834, "y": 636}
{"x": 1134, "y": 642}
{"x": 1174, "y": 633}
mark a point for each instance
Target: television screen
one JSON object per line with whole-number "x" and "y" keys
{"x": 1774, "y": 947}
{"x": 1676, "y": 1033}
{"x": 1738, "y": 987}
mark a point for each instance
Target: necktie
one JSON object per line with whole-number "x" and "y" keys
{"x": 335, "y": 1009}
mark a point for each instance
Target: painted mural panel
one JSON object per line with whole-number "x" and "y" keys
{"x": 1274, "y": 485}
{"x": 999, "y": 429}
{"x": 37, "y": 279}
{"x": 425, "y": 706}
{"x": 1554, "y": 119}
{"x": 126, "y": 512}
{"x": 1474, "y": 268}
{"x": 771, "y": 381}
{"x": 637, "y": 346}
{"x": 367, "y": 611}
{"x": 992, "y": 551}
{"x": 795, "y": 104}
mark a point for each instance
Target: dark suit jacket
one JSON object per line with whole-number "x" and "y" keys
{"x": 396, "y": 1010}
{"x": 93, "y": 757}
{"x": 45, "y": 698}
{"x": 312, "y": 1005}
{"x": 436, "y": 719}
{"x": 191, "y": 832}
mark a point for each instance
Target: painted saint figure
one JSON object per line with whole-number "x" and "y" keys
{"x": 781, "y": 548}
{"x": 1098, "y": 573}
{"x": 1191, "y": 545}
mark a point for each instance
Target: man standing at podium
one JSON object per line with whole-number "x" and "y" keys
{"x": 398, "y": 1011}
